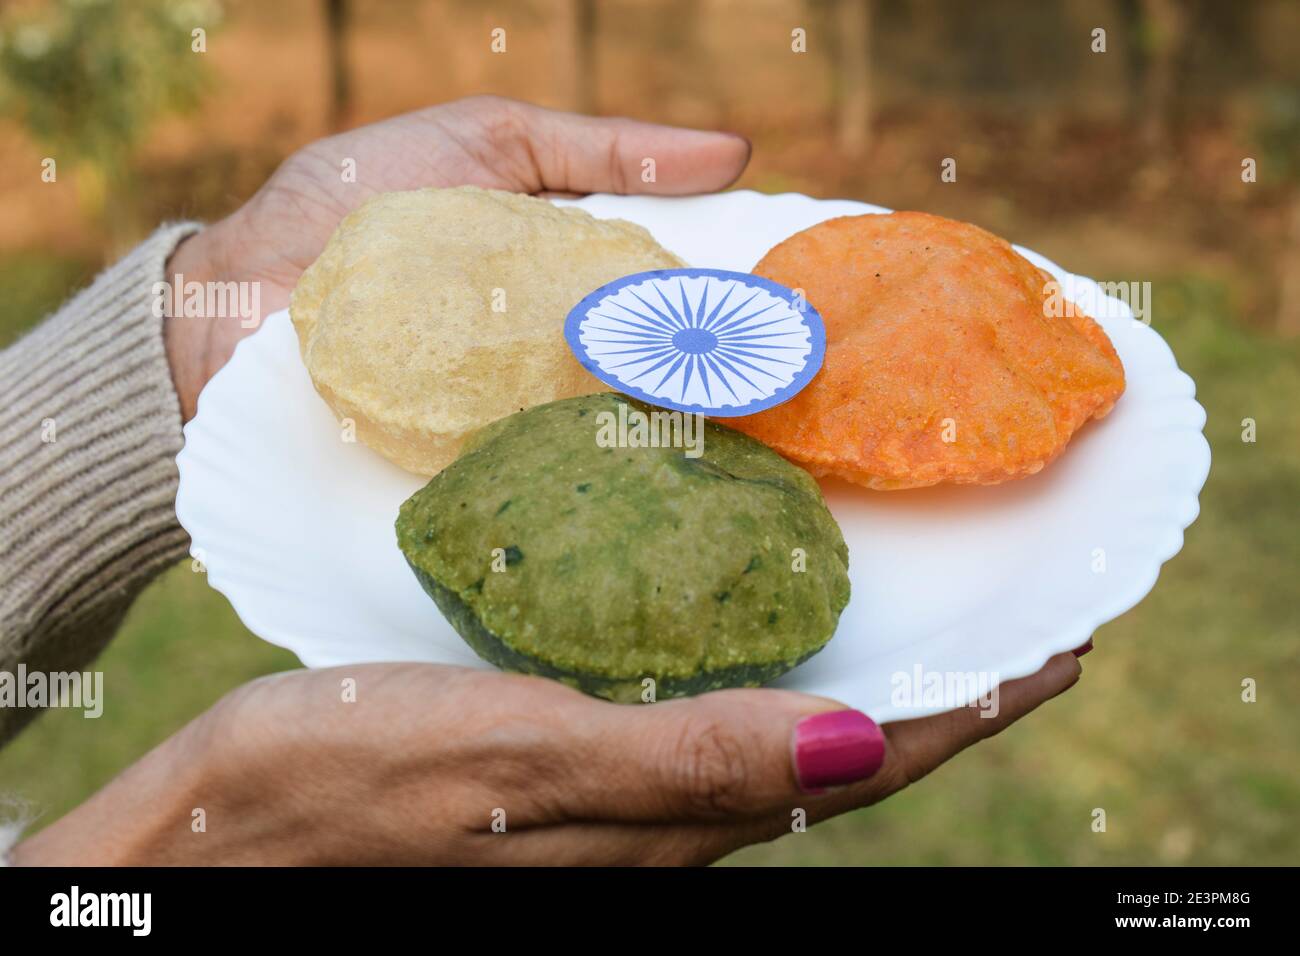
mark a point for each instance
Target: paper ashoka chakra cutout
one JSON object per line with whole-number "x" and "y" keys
{"x": 699, "y": 340}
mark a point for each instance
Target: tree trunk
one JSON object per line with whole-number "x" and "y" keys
{"x": 1163, "y": 33}
{"x": 853, "y": 24}
{"x": 336, "y": 27}
{"x": 580, "y": 50}
{"x": 1288, "y": 312}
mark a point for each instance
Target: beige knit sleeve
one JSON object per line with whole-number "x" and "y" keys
{"x": 89, "y": 430}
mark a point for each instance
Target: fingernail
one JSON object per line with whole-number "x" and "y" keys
{"x": 749, "y": 143}
{"x": 836, "y": 748}
{"x": 1080, "y": 651}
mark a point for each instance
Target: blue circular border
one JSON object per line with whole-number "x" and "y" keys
{"x": 812, "y": 320}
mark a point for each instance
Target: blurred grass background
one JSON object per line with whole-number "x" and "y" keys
{"x": 1123, "y": 165}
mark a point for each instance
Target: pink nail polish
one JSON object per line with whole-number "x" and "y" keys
{"x": 836, "y": 748}
{"x": 1080, "y": 651}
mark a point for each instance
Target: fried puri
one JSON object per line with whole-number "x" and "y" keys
{"x": 943, "y": 362}
{"x": 618, "y": 565}
{"x": 434, "y": 312}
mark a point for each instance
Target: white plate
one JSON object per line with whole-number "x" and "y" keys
{"x": 295, "y": 526}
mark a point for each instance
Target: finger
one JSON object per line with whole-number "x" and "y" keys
{"x": 746, "y": 757}
{"x": 916, "y": 747}
{"x": 584, "y": 154}
{"x": 710, "y": 758}
{"x": 924, "y": 744}
{"x": 542, "y": 753}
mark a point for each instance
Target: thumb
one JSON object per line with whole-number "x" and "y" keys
{"x": 585, "y": 154}
{"x": 725, "y": 754}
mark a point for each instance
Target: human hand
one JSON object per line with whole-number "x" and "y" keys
{"x": 482, "y": 141}
{"x": 419, "y": 766}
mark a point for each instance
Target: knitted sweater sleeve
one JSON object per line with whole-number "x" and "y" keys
{"x": 89, "y": 431}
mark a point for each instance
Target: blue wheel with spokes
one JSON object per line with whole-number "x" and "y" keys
{"x": 699, "y": 340}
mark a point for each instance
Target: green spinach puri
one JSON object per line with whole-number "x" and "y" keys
{"x": 552, "y": 553}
